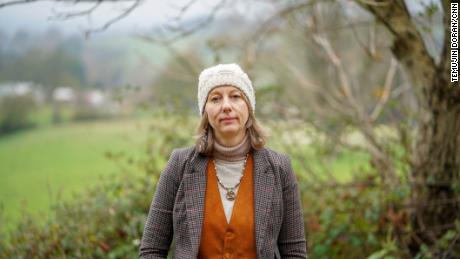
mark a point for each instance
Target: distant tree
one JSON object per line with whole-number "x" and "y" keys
{"x": 15, "y": 112}
{"x": 50, "y": 69}
{"x": 174, "y": 85}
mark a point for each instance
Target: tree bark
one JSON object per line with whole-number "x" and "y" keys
{"x": 435, "y": 167}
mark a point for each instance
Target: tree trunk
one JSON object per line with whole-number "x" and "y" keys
{"x": 436, "y": 167}
{"x": 436, "y": 155}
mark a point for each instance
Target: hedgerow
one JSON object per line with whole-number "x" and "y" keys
{"x": 359, "y": 218}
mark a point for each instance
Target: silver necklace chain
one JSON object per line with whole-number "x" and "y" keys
{"x": 230, "y": 195}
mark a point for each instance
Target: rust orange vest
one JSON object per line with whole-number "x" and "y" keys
{"x": 236, "y": 239}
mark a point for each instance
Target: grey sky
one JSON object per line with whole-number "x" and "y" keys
{"x": 36, "y": 16}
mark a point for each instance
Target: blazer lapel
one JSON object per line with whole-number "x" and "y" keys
{"x": 263, "y": 191}
{"x": 195, "y": 190}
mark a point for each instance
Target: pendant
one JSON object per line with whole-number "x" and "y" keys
{"x": 230, "y": 195}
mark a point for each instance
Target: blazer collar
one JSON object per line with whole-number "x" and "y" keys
{"x": 199, "y": 162}
{"x": 195, "y": 188}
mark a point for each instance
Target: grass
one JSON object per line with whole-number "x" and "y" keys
{"x": 42, "y": 165}
{"x": 52, "y": 163}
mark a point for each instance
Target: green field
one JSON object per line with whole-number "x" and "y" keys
{"x": 40, "y": 166}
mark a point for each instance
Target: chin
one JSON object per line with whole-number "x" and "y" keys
{"x": 230, "y": 130}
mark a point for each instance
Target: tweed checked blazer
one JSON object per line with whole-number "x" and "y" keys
{"x": 177, "y": 208}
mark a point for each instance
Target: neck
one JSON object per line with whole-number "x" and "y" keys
{"x": 230, "y": 141}
{"x": 235, "y": 153}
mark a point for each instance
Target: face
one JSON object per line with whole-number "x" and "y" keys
{"x": 227, "y": 112}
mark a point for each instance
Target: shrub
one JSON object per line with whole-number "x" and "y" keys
{"x": 90, "y": 113}
{"x": 348, "y": 220}
{"x": 106, "y": 223}
{"x": 15, "y": 112}
{"x": 358, "y": 219}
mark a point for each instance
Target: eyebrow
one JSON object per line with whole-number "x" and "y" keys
{"x": 219, "y": 92}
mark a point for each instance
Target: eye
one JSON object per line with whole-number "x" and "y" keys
{"x": 236, "y": 96}
{"x": 215, "y": 99}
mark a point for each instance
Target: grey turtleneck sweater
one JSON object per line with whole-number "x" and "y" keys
{"x": 229, "y": 164}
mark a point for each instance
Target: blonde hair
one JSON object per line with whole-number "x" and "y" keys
{"x": 204, "y": 139}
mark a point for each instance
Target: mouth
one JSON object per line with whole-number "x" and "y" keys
{"x": 227, "y": 119}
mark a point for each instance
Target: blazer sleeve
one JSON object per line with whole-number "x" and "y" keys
{"x": 158, "y": 229}
{"x": 291, "y": 240}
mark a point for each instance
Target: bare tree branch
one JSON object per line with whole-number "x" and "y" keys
{"x": 408, "y": 42}
{"x": 184, "y": 9}
{"x": 89, "y": 11}
{"x": 115, "y": 19}
{"x": 70, "y": 15}
{"x": 387, "y": 88}
{"x": 184, "y": 61}
{"x": 375, "y": 3}
{"x": 372, "y": 39}
{"x": 18, "y": 2}
{"x": 382, "y": 161}
{"x": 335, "y": 103}
{"x": 369, "y": 50}
{"x": 184, "y": 32}
{"x": 264, "y": 27}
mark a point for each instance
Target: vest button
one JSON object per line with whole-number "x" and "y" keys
{"x": 227, "y": 255}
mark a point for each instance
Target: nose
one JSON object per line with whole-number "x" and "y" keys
{"x": 226, "y": 105}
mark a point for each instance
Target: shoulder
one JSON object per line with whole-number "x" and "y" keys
{"x": 180, "y": 156}
{"x": 281, "y": 164}
{"x": 278, "y": 159}
{"x": 184, "y": 153}
{"x": 184, "y": 156}
{"x": 177, "y": 163}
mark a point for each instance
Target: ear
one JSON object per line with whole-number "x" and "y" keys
{"x": 249, "y": 123}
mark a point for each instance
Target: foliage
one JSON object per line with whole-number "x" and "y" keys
{"x": 357, "y": 219}
{"x": 105, "y": 223}
{"x": 175, "y": 85}
{"x": 107, "y": 220}
{"x": 46, "y": 164}
{"x": 50, "y": 69}
{"x": 354, "y": 220}
{"x": 14, "y": 113}
{"x": 89, "y": 113}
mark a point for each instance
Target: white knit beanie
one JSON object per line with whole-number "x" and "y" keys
{"x": 224, "y": 74}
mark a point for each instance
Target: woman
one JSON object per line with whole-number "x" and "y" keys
{"x": 227, "y": 196}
